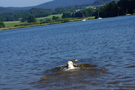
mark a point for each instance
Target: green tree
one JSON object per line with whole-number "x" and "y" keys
{"x": 55, "y": 18}
{"x": 66, "y": 15}
{"x": 123, "y": 4}
{"x": 2, "y": 25}
{"x": 127, "y": 6}
{"x": 23, "y": 19}
{"x": 31, "y": 19}
{"x": 79, "y": 14}
{"x": 108, "y": 10}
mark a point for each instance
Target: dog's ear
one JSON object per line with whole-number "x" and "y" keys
{"x": 67, "y": 66}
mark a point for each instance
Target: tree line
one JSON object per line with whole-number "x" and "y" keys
{"x": 79, "y": 14}
{"x": 29, "y": 19}
{"x": 122, "y": 7}
{"x": 119, "y": 8}
{"x": 2, "y": 25}
{"x": 14, "y": 16}
{"x": 36, "y": 12}
{"x": 111, "y": 9}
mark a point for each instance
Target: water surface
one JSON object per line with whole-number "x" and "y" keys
{"x": 26, "y": 54}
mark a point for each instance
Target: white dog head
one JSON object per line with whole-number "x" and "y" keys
{"x": 70, "y": 65}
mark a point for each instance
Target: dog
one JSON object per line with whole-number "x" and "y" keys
{"x": 70, "y": 64}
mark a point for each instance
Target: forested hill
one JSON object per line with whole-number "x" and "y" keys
{"x": 100, "y": 2}
{"x": 64, "y": 3}
{"x": 5, "y": 10}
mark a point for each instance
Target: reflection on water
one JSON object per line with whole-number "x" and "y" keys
{"x": 28, "y": 54}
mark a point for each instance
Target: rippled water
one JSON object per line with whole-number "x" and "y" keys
{"x": 26, "y": 55}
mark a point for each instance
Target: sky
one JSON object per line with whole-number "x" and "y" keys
{"x": 21, "y": 3}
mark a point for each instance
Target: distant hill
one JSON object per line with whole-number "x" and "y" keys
{"x": 100, "y": 2}
{"x": 57, "y": 4}
{"x": 5, "y": 10}
{"x": 64, "y": 3}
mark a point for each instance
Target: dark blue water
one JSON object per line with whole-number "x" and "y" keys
{"x": 26, "y": 54}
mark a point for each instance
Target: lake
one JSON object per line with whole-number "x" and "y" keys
{"x": 27, "y": 54}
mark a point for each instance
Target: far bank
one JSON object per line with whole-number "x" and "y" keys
{"x": 41, "y": 21}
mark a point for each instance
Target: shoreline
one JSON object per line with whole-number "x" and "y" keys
{"x": 25, "y": 25}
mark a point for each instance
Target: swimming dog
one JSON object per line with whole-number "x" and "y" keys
{"x": 70, "y": 64}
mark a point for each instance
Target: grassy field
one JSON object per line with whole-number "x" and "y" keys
{"x": 11, "y": 23}
{"x": 49, "y": 17}
{"x": 41, "y": 21}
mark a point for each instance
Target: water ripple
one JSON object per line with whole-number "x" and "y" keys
{"x": 25, "y": 55}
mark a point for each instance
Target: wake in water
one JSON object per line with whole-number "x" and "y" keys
{"x": 71, "y": 69}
